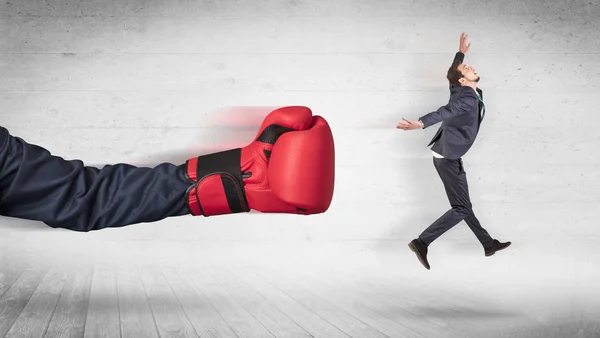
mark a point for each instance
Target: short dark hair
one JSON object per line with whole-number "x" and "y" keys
{"x": 454, "y": 74}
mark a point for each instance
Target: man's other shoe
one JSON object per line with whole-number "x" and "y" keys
{"x": 496, "y": 246}
{"x": 420, "y": 249}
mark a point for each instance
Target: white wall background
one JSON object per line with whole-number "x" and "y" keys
{"x": 144, "y": 82}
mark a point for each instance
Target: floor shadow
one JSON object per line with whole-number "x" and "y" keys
{"x": 441, "y": 311}
{"x": 555, "y": 328}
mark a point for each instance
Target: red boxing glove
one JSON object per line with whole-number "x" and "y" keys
{"x": 288, "y": 168}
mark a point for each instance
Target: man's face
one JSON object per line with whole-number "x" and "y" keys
{"x": 469, "y": 72}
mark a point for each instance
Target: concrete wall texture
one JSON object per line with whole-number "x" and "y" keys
{"x": 144, "y": 82}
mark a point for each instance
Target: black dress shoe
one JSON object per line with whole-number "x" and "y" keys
{"x": 420, "y": 249}
{"x": 496, "y": 246}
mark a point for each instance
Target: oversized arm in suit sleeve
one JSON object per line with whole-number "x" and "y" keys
{"x": 453, "y": 108}
{"x": 36, "y": 185}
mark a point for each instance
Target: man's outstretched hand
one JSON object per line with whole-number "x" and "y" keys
{"x": 464, "y": 47}
{"x": 409, "y": 125}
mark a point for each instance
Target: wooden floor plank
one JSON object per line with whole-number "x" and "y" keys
{"x": 406, "y": 296}
{"x": 137, "y": 320}
{"x": 35, "y": 317}
{"x": 14, "y": 300}
{"x": 10, "y": 271}
{"x": 459, "y": 300}
{"x": 170, "y": 318}
{"x": 71, "y": 312}
{"x": 102, "y": 320}
{"x": 380, "y": 305}
{"x": 206, "y": 320}
{"x": 243, "y": 323}
{"x": 305, "y": 317}
{"x": 321, "y": 307}
{"x": 343, "y": 300}
{"x": 277, "y": 322}
{"x": 456, "y": 312}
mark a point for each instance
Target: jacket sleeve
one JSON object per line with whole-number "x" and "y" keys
{"x": 458, "y": 59}
{"x": 37, "y": 185}
{"x": 451, "y": 108}
{"x": 461, "y": 105}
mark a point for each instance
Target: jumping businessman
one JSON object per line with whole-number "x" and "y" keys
{"x": 461, "y": 119}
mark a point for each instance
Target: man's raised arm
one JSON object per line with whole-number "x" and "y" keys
{"x": 451, "y": 109}
{"x": 459, "y": 57}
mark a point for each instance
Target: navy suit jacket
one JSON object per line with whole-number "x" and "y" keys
{"x": 460, "y": 120}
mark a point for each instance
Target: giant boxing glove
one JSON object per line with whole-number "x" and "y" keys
{"x": 288, "y": 168}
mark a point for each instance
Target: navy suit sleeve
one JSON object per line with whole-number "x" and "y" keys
{"x": 36, "y": 185}
{"x": 461, "y": 105}
{"x": 452, "y": 108}
{"x": 458, "y": 59}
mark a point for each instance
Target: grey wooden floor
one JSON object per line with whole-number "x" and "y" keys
{"x": 134, "y": 298}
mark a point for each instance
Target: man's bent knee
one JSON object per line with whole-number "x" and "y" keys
{"x": 463, "y": 210}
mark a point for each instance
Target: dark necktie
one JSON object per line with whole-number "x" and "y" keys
{"x": 482, "y": 106}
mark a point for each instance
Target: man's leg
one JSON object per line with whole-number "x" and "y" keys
{"x": 455, "y": 183}
{"x": 454, "y": 178}
{"x": 490, "y": 245}
{"x": 482, "y": 235}
{"x": 38, "y": 186}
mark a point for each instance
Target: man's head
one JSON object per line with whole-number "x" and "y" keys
{"x": 463, "y": 75}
